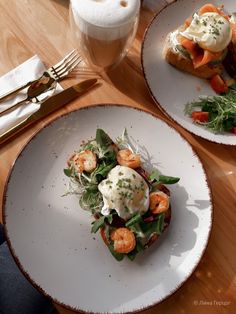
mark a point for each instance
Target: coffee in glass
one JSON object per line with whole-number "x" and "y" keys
{"x": 103, "y": 30}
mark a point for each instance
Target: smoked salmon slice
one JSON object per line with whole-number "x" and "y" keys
{"x": 211, "y": 8}
{"x": 208, "y": 8}
{"x": 199, "y": 56}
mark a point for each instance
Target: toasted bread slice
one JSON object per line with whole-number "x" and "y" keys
{"x": 185, "y": 64}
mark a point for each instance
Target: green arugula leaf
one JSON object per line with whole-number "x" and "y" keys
{"x": 138, "y": 248}
{"x": 109, "y": 218}
{"x": 168, "y": 180}
{"x": 101, "y": 172}
{"x": 132, "y": 255}
{"x": 159, "y": 178}
{"x": 134, "y": 220}
{"x": 160, "y": 223}
{"x": 97, "y": 224}
{"x": 207, "y": 107}
{"x": 139, "y": 245}
{"x": 149, "y": 228}
{"x": 118, "y": 256}
{"x": 101, "y": 222}
{"x": 110, "y": 155}
{"x": 68, "y": 172}
{"x": 233, "y": 86}
{"x": 154, "y": 175}
{"x": 105, "y": 169}
{"x": 107, "y": 232}
{"x": 229, "y": 123}
{"x": 102, "y": 139}
{"x": 155, "y": 226}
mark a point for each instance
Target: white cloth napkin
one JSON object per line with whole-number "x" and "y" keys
{"x": 25, "y": 72}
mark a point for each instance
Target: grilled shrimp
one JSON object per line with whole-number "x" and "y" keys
{"x": 84, "y": 161}
{"x": 159, "y": 202}
{"x": 124, "y": 240}
{"x": 126, "y": 158}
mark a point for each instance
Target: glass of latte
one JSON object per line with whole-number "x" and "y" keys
{"x": 103, "y": 30}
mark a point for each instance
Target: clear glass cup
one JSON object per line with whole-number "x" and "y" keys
{"x": 102, "y": 47}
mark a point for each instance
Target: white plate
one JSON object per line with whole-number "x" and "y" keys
{"x": 50, "y": 235}
{"x": 171, "y": 88}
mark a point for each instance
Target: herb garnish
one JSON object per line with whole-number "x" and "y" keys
{"x": 221, "y": 108}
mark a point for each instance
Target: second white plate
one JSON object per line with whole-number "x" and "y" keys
{"x": 171, "y": 88}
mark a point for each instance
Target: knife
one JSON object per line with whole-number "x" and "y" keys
{"x": 51, "y": 104}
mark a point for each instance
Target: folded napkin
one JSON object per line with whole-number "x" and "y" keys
{"x": 27, "y": 71}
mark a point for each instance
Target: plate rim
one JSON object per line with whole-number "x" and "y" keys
{"x": 157, "y": 103}
{"x": 9, "y": 175}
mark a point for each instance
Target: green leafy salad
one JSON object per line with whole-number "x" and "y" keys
{"x": 130, "y": 205}
{"x": 216, "y": 113}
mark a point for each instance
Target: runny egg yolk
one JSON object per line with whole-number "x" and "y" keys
{"x": 125, "y": 191}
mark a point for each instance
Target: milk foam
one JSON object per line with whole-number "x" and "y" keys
{"x": 105, "y": 19}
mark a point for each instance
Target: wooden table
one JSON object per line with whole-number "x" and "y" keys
{"x": 41, "y": 27}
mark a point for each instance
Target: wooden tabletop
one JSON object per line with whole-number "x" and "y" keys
{"x": 41, "y": 27}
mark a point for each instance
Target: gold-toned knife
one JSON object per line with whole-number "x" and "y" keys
{"x": 51, "y": 104}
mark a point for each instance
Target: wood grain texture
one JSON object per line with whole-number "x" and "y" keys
{"x": 40, "y": 27}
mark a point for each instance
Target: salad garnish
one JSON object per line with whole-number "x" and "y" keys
{"x": 216, "y": 113}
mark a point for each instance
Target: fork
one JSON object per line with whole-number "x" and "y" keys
{"x": 56, "y": 72}
{"x": 47, "y": 81}
{"x": 65, "y": 66}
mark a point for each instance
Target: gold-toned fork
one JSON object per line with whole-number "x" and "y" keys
{"x": 55, "y": 73}
{"x": 38, "y": 89}
{"x": 65, "y": 66}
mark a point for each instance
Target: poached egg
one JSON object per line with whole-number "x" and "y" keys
{"x": 210, "y": 31}
{"x": 125, "y": 191}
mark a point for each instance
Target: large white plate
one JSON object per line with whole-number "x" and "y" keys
{"x": 50, "y": 235}
{"x": 171, "y": 88}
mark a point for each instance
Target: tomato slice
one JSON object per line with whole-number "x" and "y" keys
{"x": 200, "y": 116}
{"x": 218, "y": 84}
{"x": 234, "y": 130}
